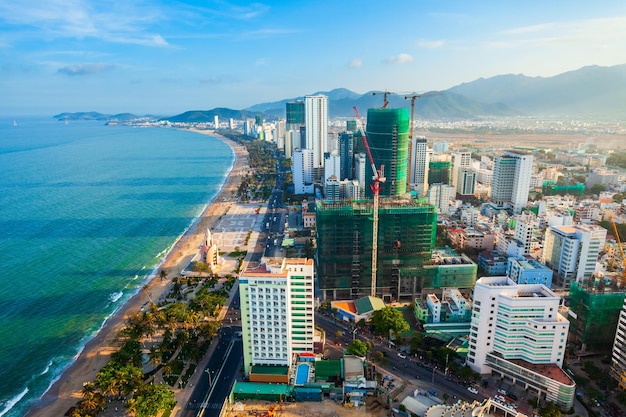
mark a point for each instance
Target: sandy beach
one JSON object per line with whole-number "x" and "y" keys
{"x": 66, "y": 391}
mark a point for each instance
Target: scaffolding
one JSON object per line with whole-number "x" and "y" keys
{"x": 407, "y": 232}
{"x": 595, "y": 315}
{"x": 388, "y": 136}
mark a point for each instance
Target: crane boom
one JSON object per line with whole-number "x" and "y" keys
{"x": 413, "y": 97}
{"x": 621, "y": 249}
{"x": 377, "y": 178}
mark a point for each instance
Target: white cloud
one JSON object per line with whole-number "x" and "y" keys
{"x": 355, "y": 63}
{"x": 400, "y": 59}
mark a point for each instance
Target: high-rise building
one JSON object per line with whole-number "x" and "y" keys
{"x": 511, "y": 181}
{"x": 419, "y": 165}
{"x": 406, "y": 237}
{"x": 332, "y": 166}
{"x": 466, "y": 184}
{"x": 361, "y": 167}
{"x": 525, "y": 224}
{"x": 316, "y": 123}
{"x": 572, "y": 252}
{"x": 387, "y": 133}
{"x": 439, "y": 172}
{"x": 460, "y": 160}
{"x": 346, "y": 153}
{"x": 440, "y": 147}
{"x": 439, "y": 195}
{"x": 216, "y": 121}
{"x": 277, "y": 311}
{"x": 295, "y": 115}
{"x": 302, "y": 171}
{"x": 518, "y": 333}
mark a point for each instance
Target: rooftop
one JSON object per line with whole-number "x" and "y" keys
{"x": 549, "y": 370}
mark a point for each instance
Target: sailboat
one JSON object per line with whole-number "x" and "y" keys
{"x": 14, "y": 122}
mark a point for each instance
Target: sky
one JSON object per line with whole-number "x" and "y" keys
{"x": 165, "y": 57}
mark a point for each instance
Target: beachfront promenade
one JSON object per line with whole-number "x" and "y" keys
{"x": 231, "y": 220}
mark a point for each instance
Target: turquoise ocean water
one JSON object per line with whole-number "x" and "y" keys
{"x": 87, "y": 212}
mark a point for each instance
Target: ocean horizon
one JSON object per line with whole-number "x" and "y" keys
{"x": 87, "y": 214}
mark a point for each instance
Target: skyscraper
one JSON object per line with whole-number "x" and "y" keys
{"x": 511, "y": 181}
{"x": 387, "y": 133}
{"x": 419, "y": 165}
{"x": 460, "y": 160}
{"x": 302, "y": 171}
{"x": 316, "y": 135}
{"x": 295, "y": 115}
{"x": 346, "y": 153}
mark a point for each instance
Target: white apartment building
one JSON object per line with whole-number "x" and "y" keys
{"x": 316, "y": 128}
{"x": 332, "y": 166}
{"x": 466, "y": 183}
{"x": 511, "y": 181}
{"x": 360, "y": 171}
{"x": 277, "y": 305}
{"x": 418, "y": 164}
{"x": 460, "y": 160}
{"x": 302, "y": 171}
{"x": 439, "y": 195}
{"x": 517, "y": 332}
{"x": 572, "y": 251}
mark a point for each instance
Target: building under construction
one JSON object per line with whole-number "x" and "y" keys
{"x": 406, "y": 238}
{"x": 388, "y": 136}
{"x": 594, "y": 313}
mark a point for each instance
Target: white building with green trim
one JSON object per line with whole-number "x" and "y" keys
{"x": 277, "y": 306}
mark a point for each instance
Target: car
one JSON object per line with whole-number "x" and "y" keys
{"x": 499, "y": 398}
{"x": 472, "y": 390}
{"x": 401, "y": 355}
{"x": 501, "y": 391}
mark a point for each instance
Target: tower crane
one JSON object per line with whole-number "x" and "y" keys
{"x": 413, "y": 97}
{"x": 621, "y": 250}
{"x": 377, "y": 179}
{"x": 385, "y": 94}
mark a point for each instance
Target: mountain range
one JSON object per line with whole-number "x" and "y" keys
{"x": 591, "y": 92}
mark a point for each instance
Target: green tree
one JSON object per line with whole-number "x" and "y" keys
{"x": 150, "y": 401}
{"x": 389, "y": 320}
{"x": 597, "y": 188}
{"x": 550, "y": 410}
{"x": 357, "y": 348}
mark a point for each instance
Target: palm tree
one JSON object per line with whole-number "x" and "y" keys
{"x": 163, "y": 275}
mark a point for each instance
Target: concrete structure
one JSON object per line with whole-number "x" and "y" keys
{"x": 277, "y": 305}
{"x": 572, "y": 252}
{"x": 493, "y": 262}
{"x": 511, "y": 181}
{"x": 316, "y": 124}
{"x": 461, "y": 160}
{"x": 361, "y": 166}
{"x": 466, "y": 183}
{"x": 302, "y": 169}
{"x": 618, "y": 355}
{"x": 517, "y": 332}
{"x": 210, "y": 251}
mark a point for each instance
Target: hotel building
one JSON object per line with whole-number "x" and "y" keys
{"x": 277, "y": 304}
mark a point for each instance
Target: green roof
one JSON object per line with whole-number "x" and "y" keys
{"x": 326, "y": 369}
{"x": 270, "y": 370}
{"x": 366, "y": 304}
{"x": 259, "y": 388}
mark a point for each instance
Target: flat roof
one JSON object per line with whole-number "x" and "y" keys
{"x": 549, "y": 370}
{"x": 270, "y": 369}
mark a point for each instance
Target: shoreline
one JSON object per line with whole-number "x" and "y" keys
{"x": 65, "y": 391}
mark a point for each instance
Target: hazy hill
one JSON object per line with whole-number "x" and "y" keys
{"x": 443, "y": 105}
{"x": 200, "y": 116}
{"x": 589, "y": 91}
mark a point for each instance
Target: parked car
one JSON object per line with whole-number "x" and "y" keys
{"x": 472, "y": 390}
{"x": 501, "y": 391}
{"x": 401, "y": 355}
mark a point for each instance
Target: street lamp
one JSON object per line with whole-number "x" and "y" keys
{"x": 354, "y": 332}
{"x": 433, "y": 378}
{"x": 208, "y": 372}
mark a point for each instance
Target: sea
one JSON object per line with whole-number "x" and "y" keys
{"x": 87, "y": 214}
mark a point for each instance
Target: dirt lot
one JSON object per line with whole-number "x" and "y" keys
{"x": 327, "y": 408}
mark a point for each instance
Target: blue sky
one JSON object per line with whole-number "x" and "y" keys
{"x": 166, "y": 57}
